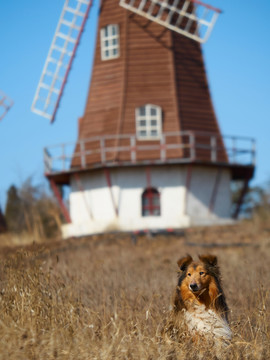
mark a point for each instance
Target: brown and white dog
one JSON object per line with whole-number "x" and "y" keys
{"x": 200, "y": 296}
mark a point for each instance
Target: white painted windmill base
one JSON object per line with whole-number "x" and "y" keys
{"x": 92, "y": 209}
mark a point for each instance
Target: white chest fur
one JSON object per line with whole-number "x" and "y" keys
{"x": 207, "y": 322}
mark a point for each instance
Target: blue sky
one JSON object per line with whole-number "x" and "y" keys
{"x": 237, "y": 57}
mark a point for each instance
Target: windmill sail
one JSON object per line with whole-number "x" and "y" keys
{"x": 191, "y": 18}
{"x": 59, "y": 60}
{"x": 5, "y": 104}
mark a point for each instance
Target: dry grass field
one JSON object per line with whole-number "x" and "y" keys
{"x": 108, "y": 296}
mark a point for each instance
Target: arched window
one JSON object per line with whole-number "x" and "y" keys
{"x": 109, "y": 42}
{"x": 151, "y": 202}
{"x": 148, "y": 122}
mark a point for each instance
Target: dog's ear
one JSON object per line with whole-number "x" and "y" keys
{"x": 209, "y": 259}
{"x": 184, "y": 262}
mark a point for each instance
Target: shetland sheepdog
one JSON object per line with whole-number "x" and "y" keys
{"x": 200, "y": 297}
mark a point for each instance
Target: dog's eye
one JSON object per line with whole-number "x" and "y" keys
{"x": 201, "y": 272}
{"x": 189, "y": 274}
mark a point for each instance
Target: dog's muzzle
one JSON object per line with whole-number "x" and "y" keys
{"x": 194, "y": 287}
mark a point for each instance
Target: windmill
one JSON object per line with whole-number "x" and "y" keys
{"x": 5, "y": 104}
{"x": 149, "y": 153}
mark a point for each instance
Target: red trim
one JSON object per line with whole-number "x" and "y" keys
{"x": 70, "y": 61}
{"x": 82, "y": 190}
{"x": 60, "y": 201}
{"x": 148, "y": 177}
{"x": 215, "y": 190}
{"x": 149, "y": 195}
{"x": 240, "y": 200}
{"x": 109, "y": 183}
{"x": 188, "y": 182}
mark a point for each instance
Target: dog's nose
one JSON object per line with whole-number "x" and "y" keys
{"x": 194, "y": 287}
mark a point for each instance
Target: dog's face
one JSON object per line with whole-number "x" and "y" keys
{"x": 197, "y": 275}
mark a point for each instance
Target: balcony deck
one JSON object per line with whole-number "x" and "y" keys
{"x": 199, "y": 148}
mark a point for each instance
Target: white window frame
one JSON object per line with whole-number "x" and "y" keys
{"x": 144, "y": 122}
{"x": 109, "y": 42}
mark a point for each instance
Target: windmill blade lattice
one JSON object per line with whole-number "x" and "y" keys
{"x": 5, "y": 104}
{"x": 191, "y": 18}
{"x": 60, "y": 57}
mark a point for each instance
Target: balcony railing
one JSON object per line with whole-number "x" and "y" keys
{"x": 173, "y": 147}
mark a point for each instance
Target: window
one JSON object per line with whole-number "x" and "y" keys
{"x": 109, "y": 40}
{"x": 148, "y": 122}
{"x": 151, "y": 202}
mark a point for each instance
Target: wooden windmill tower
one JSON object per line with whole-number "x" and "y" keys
{"x": 149, "y": 153}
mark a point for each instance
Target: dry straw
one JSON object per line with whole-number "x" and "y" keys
{"x": 106, "y": 298}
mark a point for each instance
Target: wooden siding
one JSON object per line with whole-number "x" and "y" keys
{"x": 155, "y": 66}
